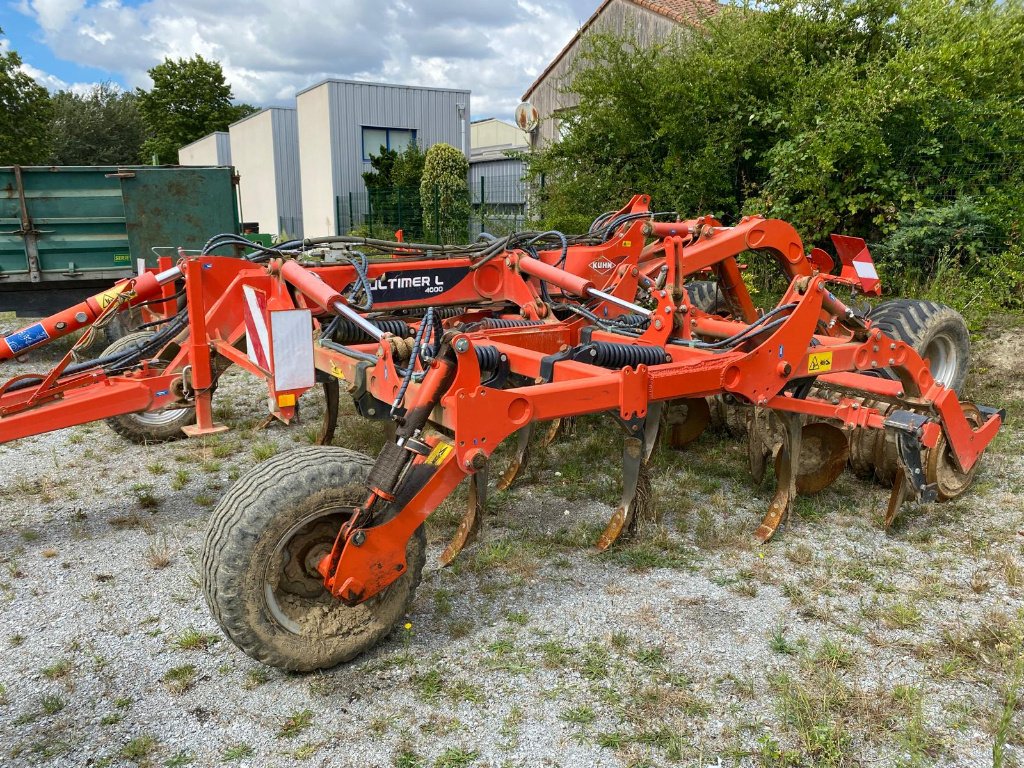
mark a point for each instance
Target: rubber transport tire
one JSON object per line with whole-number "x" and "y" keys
{"x": 262, "y": 543}
{"x": 937, "y": 332}
{"x": 148, "y": 426}
{"x": 706, "y": 297}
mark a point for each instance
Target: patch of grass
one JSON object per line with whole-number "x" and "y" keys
{"x": 236, "y": 752}
{"x": 1004, "y": 722}
{"x": 139, "y": 749}
{"x": 295, "y": 723}
{"x": 204, "y": 500}
{"x": 556, "y": 654}
{"x": 180, "y": 479}
{"x": 144, "y": 495}
{"x": 157, "y": 468}
{"x": 58, "y": 669}
{"x": 180, "y": 679}
{"x": 263, "y": 450}
{"x": 582, "y": 715}
{"x": 159, "y": 554}
{"x": 52, "y": 703}
{"x": 651, "y": 656}
{"x": 779, "y": 643}
{"x": 183, "y": 757}
{"x": 456, "y": 757}
{"x": 256, "y": 677}
{"x": 812, "y": 709}
{"x": 517, "y": 617}
{"x": 15, "y": 640}
{"x": 429, "y": 685}
{"x": 407, "y": 758}
{"x": 902, "y": 616}
{"x": 989, "y": 642}
{"x": 834, "y": 654}
{"x": 191, "y": 639}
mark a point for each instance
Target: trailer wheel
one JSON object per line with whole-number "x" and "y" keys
{"x": 148, "y": 426}
{"x": 259, "y": 561}
{"x": 937, "y": 332}
{"x": 706, "y": 296}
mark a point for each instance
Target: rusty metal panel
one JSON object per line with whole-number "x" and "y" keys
{"x": 169, "y": 207}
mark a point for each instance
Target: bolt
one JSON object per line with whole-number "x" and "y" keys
{"x": 874, "y": 348}
{"x": 358, "y": 538}
{"x": 61, "y": 325}
{"x": 657, "y": 324}
{"x": 892, "y": 360}
{"x": 479, "y": 460}
{"x": 668, "y": 310}
{"x": 461, "y": 345}
{"x": 508, "y": 262}
{"x": 81, "y": 317}
{"x": 635, "y": 272}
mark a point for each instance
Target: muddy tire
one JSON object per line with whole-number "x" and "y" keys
{"x": 148, "y": 426}
{"x": 706, "y": 297}
{"x": 938, "y": 333}
{"x": 258, "y": 565}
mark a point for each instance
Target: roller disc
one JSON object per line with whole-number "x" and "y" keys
{"x": 940, "y": 467}
{"x": 824, "y": 450}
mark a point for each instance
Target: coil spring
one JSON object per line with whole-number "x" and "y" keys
{"x": 611, "y": 355}
{"x": 632, "y": 321}
{"x": 488, "y": 357}
{"x": 493, "y": 323}
{"x": 349, "y": 333}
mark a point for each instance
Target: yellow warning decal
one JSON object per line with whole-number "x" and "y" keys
{"x": 109, "y": 296}
{"x": 336, "y": 371}
{"x": 439, "y": 454}
{"x": 819, "y": 362}
{"x": 626, "y": 243}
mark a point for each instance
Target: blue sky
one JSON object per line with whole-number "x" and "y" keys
{"x": 495, "y": 49}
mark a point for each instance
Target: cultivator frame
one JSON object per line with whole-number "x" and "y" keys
{"x": 463, "y": 349}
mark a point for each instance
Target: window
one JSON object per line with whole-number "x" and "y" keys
{"x": 389, "y": 138}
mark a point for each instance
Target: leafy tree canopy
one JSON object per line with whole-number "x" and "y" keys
{"x": 838, "y": 115}
{"x": 391, "y": 168}
{"x": 189, "y": 99}
{"x": 444, "y": 193}
{"x": 101, "y": 127}
{"x": 24, "y": 114}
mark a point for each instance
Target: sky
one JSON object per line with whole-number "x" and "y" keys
{"x": 270, "y": 49}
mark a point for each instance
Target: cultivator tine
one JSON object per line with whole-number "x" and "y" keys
{"x": 472, "y": 520}
{"x": 329, "y": 421}
{"x": 786, "y": 470}
{"x": 759, "y": 443}
{"x": 557, "y": 428}
{"x": 636, "y": 484}
{"x": 911, "y": 480}
{"x": 519, "y": 460}
{"x": 685, "y": 427}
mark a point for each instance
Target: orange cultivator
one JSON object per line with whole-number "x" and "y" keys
{"x": 314, "y": 555}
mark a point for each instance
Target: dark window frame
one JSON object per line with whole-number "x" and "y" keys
{"x": 387, "y": 136}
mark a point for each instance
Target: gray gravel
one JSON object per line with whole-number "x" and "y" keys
{"x": 522, "y": 654}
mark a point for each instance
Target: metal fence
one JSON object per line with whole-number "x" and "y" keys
{"x": 497, "y": 206}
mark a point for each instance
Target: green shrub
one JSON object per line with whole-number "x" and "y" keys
{"x": 444, "y": 194}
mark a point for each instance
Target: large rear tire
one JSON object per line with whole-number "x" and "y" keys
{"x": 937, "y": 332}
{"x": 259, "y": 562}
{"x": 706, "y": 296}
{"x": 148, "y": 426}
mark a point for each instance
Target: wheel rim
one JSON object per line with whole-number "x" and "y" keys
{"x": 942, "y": 358}
{"x": 160, "y": 418}
{"x": 941, "y": 468}
{"x": 291, "y": 585}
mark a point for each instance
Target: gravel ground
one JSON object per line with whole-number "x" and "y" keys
{"x": 838, "y": 644}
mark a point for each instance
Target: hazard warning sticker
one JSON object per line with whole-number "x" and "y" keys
{"x": 439, "y": 454}
{"x": 819, "y": 362}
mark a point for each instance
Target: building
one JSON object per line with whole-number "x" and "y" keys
{"x": 343, "y": 122}
{"x": 265, "y": 150}
{"x": 214, "y": 149}
{"x": 496, "y": 185}
{"x": 650, "y": 21}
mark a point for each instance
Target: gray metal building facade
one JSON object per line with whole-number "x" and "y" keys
{"x": 265, "y": 147}
{"x": 334, "y": 119}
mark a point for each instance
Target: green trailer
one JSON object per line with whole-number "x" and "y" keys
{"x": 71, "y": 227}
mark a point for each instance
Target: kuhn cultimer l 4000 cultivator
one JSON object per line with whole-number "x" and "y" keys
{"x": 314, "y": 555}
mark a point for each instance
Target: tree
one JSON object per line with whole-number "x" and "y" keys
{"x": 838, "y": 115}
{"x": 189, "y": 99}
{"x": 391, "y": 168}
{"x": 444, "y": 193}
{"x": 24, "y": 114}
{"x": 102, "y": 127}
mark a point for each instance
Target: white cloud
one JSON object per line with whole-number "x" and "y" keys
{"x": 270, "y": 50}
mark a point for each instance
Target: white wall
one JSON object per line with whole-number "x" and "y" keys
{"x": 316, "y": 161}
{"x": 252, "y": 149}
{"x": 209, "y": 150}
